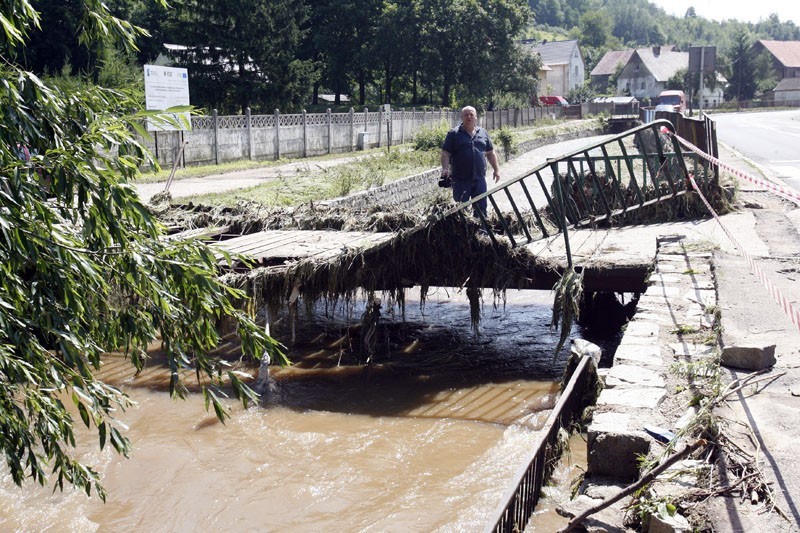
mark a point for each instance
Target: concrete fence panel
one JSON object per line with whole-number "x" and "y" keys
{"x": 218, "y": 139}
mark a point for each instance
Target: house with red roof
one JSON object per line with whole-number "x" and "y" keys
{"x": 785, "y": 56}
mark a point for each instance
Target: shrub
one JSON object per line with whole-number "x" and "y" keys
{"x": 431, "y": 138}
{"x": 505, "y": 138}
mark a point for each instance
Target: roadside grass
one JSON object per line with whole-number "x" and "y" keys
{"x": 199, "y": 171}
{"x": 315, "y": 183}
{"x": 310, "y": 182}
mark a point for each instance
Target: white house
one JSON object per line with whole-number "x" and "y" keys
{"x": 649, "y": 69}
{"x": 562, "y": 69}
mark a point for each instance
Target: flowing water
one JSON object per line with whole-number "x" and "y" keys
{"x": 426, "y": 439}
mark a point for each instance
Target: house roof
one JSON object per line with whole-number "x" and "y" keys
{"x": 663, "y": 62}
{"x": 788, "y": 84}
{"x": 787, "y": 52}
{"x": 608, "y": 63}
{"x": 553, "y": 52}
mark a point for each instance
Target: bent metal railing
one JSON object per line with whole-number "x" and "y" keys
{"x": 626, "y": 172}
{"x": 518, "y": 503}
{"x": 640, "y": 167}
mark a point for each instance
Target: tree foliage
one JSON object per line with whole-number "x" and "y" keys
{"x": 85, "y": 268}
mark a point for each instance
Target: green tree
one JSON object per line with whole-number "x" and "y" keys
{"x": 85, "y": 267}
{"x": 243, "y": 53}
{"x": 595, "y": 28}
{"x": 742, "y": 82}
{"x": 54, "y": 47}
{"x": 397, "y": 24}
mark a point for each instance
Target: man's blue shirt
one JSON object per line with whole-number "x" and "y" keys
{"x": 467, "y": 153}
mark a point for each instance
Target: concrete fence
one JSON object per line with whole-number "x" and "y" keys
{"x": 218, "y": 139}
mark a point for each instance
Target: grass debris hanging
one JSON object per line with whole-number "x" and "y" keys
{"x": 566, "y": 304}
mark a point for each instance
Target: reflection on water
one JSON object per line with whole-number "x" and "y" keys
{"x": 426, "y": 439}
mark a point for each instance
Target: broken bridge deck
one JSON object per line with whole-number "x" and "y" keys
{"x": 615, "y": 259}
{"x": 276, "y": 247}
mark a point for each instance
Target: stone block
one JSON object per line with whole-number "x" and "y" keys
{"x": 641, "y": 328}
{"x": 621, "y": 375}
{"x": 616, "y": 454}
{"x": 628, "y": 350}
{"x": 752, "y": 357}
{"x": 663, "y": 291}
{"x": 690, "y": 349}
{"x": 676, "y": 523}
{"x": 663, "y": 279}
{"x": 706, "y": 298}
{"x": 641, "y": 397}
{"x": 607, "y": 520}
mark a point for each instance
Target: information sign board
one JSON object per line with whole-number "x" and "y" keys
{"x": 166, "y": 87}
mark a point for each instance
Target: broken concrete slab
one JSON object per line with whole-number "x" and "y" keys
{"x": 749, "y": 357}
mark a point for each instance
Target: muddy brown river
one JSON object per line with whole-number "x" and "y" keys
{"x": 427, "y": 439}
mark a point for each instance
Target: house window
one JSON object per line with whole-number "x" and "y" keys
{"x": 637, "y": 67}
{"x": 576, "y": 71}
{"x": 642, "y": 86}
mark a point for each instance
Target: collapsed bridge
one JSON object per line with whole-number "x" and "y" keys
{"x": 569, "y": 212}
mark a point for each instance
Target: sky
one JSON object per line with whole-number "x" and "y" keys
{"x": 743, "y": 10}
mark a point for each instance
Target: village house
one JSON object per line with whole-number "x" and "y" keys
{"x": 607, "y": 66}
{"x": 787, "y": 92}
{"x": 562, "y": 69}
{"x": 648, "y": 70}
{"x": 785, "y": 57}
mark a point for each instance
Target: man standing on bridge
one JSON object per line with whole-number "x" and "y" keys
{"x": 467, "y": 148}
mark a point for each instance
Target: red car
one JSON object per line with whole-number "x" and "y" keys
{"x": 553, "y": 100}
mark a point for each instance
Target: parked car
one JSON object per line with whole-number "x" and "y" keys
{"x": 675, "y": 99}
{"x": 665, "y": 107}
{"x": 553, "y": 100}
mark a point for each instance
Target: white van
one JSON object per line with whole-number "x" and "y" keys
{"x": 674, "y": 99}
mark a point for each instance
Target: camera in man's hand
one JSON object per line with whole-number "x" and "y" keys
{"x": 445, "y": 181}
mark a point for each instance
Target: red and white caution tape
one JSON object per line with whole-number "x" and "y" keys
{"x": 788, "y": 308}
{"x": 789, "y": 194}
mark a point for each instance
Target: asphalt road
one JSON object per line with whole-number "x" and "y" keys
{"x": 770, "y": 139}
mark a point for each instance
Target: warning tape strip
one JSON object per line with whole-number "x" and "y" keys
{"x": 788, "y": 308}
{"x": 789, "y": 194}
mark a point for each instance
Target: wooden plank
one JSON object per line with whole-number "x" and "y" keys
{"x": 198, "y": 233}
{"x": 299, "y": 244}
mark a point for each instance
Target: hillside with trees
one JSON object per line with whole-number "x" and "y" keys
{"x": 268, "y": 54}
{"x": 603, "y": 25}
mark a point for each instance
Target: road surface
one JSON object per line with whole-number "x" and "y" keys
{"x": 770, "y": 139}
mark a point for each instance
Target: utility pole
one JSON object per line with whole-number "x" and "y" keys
{"x": 702, "y": 72}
